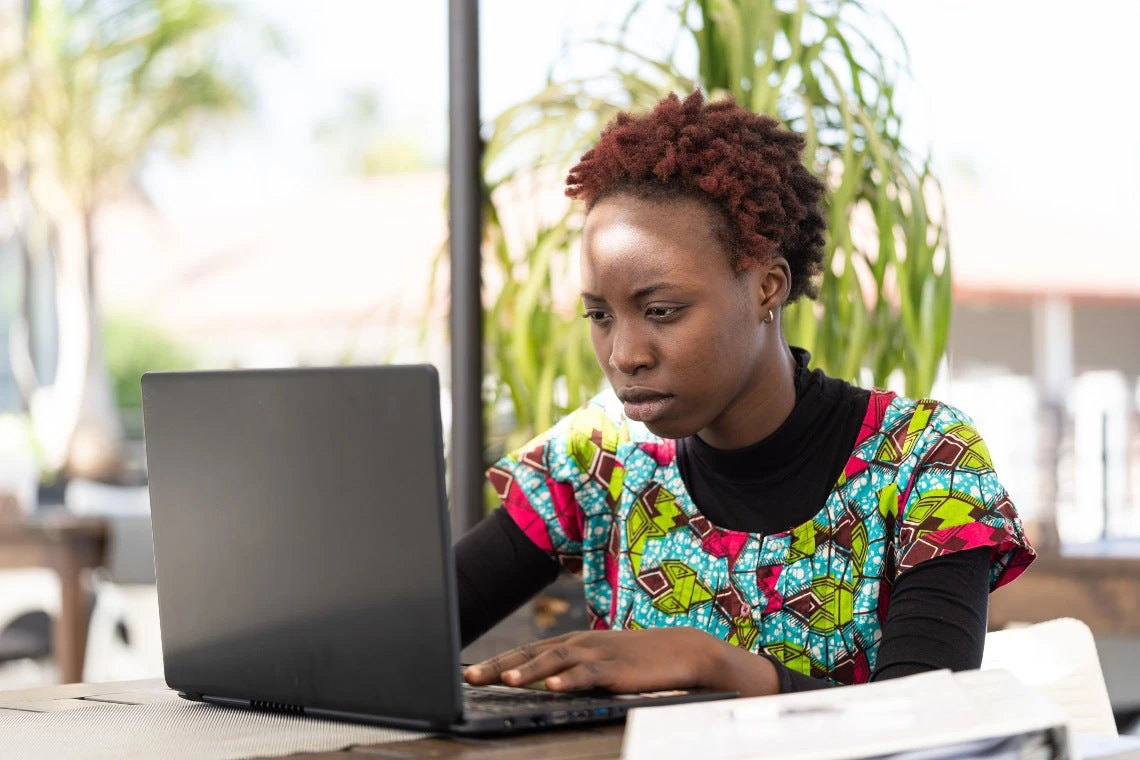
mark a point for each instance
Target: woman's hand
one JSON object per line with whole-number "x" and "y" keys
{"x": 631, "y": 661}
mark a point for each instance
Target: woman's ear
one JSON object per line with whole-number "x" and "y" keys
{"x": 774, "y": 285}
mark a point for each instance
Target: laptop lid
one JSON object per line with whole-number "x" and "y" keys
{"x": 301, "y": 538}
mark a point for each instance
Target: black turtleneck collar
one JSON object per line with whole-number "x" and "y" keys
{"x": 782, "y": 480}
{"x": 781, "y": 447}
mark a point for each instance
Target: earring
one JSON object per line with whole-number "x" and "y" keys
{"x": 770, "y": 317}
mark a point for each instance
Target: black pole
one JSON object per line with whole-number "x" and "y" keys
{"x": 464, "y": 166}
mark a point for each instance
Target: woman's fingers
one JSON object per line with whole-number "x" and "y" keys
{"x": 584, "y": 675}
{"x": 548, "y": 662}
{"x": 491, "y": 671}
{"x": 622, "y": 662}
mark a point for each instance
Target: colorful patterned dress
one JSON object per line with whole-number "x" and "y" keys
{"x": 605, "y": 497}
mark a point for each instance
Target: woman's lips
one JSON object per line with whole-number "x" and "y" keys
{"x": 647, "y": 410}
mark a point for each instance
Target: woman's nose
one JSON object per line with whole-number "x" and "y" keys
{"x": 629, "y": 351}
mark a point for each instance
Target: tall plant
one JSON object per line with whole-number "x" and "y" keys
{"x": 885, "y": 298}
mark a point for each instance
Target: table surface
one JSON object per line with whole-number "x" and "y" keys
{"x": 1097, "y": 587}
{"x": 569, "y": 744}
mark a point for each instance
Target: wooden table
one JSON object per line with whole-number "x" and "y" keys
{"x": 1103, "y": 591}
{"x": 69, "y": 545}
{"x": 577, "y": 744}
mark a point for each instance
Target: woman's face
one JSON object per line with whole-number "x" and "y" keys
{"x": 680, "y": 337}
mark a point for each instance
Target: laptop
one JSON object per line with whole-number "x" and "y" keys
{"x": 303, "y": 556}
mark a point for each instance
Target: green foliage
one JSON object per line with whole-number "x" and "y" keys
{"x": 134, "y": 346}
{"x": 885, "y": 297}
{"x": 100, "y": 83}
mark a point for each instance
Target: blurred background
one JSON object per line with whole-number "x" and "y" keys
{"x": 207, "y": 184}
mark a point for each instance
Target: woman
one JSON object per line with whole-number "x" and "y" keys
{"x": 740, "y": 522}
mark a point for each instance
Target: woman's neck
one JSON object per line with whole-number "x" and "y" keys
{"x": 764, "y": 404}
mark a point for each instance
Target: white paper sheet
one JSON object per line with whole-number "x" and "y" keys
{"x": 927, "y": 710}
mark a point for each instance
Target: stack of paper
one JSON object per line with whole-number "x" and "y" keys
{"x": 939, "y": 714}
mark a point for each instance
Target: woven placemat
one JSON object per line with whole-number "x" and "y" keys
{"x": 175, "y": 730}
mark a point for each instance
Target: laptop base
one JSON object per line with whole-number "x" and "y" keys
{"x": 592, "y": 710}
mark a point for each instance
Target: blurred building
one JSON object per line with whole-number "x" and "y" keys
{"x": 337, "y": 273}
{"x": 1045, "y": 354}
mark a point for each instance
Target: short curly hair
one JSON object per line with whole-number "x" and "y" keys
{"x": 743, "y": 165}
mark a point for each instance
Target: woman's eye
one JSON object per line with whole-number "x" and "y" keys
{"x": 661, "y": 312}
{"x": 597, "y": 317}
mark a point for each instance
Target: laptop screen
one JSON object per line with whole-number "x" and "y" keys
{"x": 301, "y": 538}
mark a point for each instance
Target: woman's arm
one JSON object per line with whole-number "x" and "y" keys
{"x": 936, "y": 619}
{"x": 937, "y": 616}
{"x": 498, "y": 569}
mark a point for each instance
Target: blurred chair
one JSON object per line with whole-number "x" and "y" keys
{"x": 29, "y": 599}
{"x": 1059, "y": 657}
{"x": 123, "y": 643}
{"x": 123, "y": 638}
{"x": 88, "y": 498}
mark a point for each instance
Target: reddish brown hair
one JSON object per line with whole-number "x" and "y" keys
{"x": 744, "y": 166}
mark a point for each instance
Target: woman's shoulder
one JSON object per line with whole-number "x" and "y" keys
{"x": 947, "y": 495}
{"x": 899, "y": 428}
{"x": 575, "y": 467}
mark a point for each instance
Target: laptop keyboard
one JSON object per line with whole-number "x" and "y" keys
{"x": 504, "y": 700}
